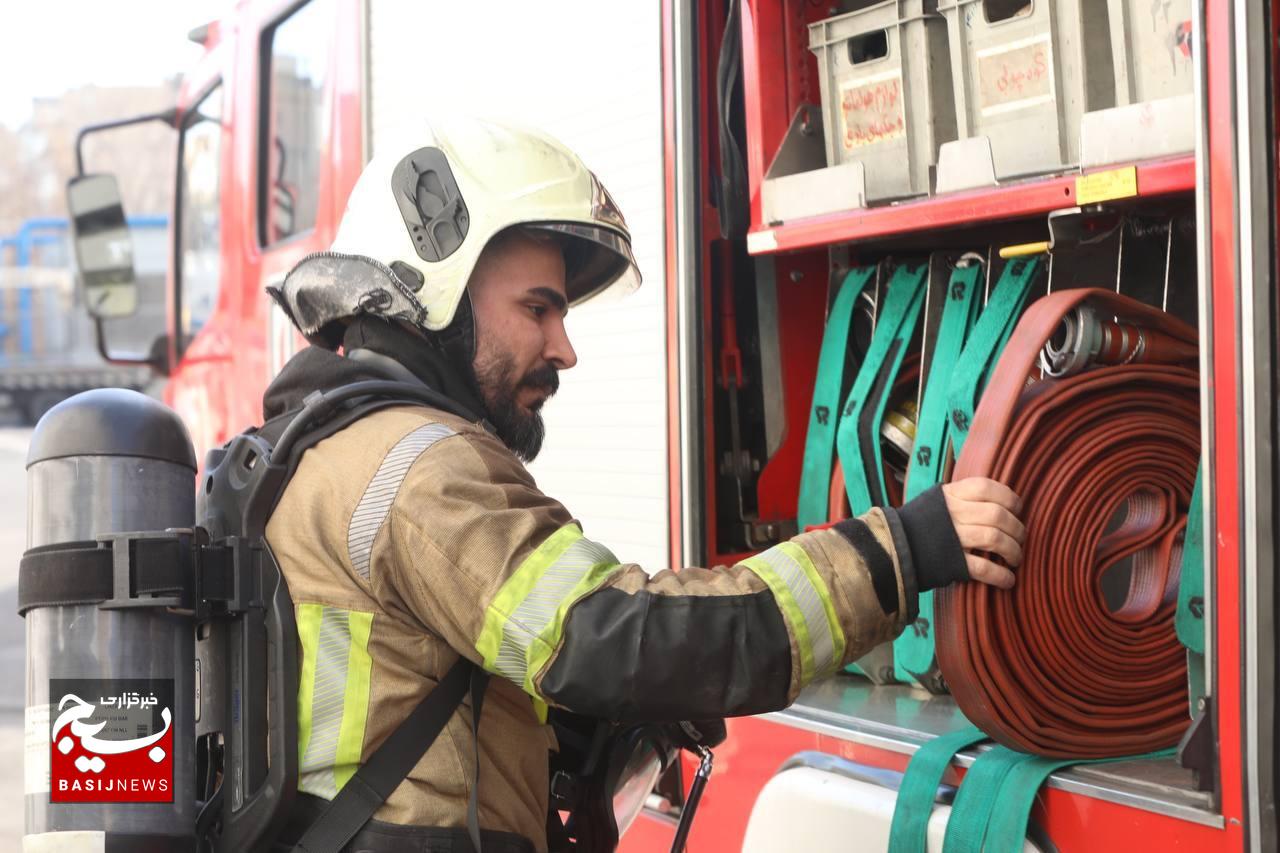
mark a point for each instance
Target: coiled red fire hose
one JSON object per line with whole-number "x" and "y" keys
{"x": 1047, "y": 667}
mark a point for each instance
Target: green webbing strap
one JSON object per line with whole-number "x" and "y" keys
{"x": 909, "y": 832}
{"x": 985, "y": 343}
{"x": 857, "y": 436}
{"x": 993, "y": 805}
{"x": 913, "y": 650}
{"x": 819, "y": 448}
{"x": 958, "y": 316}
{"x": 1005, "y": 831}
{"x": 976, "y": 801}
{"x": 1189, "y": 618}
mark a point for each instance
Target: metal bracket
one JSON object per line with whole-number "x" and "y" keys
{"x": 235, "y": 557}
{"x": 1198, "y": 749}
{"x": 246, "y": 577}
{"x": 966, "y": 164}
{"x": 799, "y": 183}
{"x": 123, "y": 562}
{"x": 763, "y": 534}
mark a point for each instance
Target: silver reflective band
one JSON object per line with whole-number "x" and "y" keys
{"x": 809, "y": 600}
{"x": 333, "y": 649}
{"x": 535, "y": 612}
{"x": 376, "y": 502}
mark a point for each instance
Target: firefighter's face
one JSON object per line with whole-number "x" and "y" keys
{"x": 518, "y": 298}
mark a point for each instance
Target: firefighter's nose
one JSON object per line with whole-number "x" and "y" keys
{"x": 559, "y": 351}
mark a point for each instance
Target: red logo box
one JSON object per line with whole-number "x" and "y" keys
{"x": 111, "y": 740}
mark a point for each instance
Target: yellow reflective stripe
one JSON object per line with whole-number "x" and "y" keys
{"x": 523, "y": 623}
{"x": 806, "y": 602}
{"x": 333, "y": 696}
{"x": 517, "y": 587}
{"x": 790, "y": 610}
{"x": 355, "y": 706}
{"x": 308, "y": 619}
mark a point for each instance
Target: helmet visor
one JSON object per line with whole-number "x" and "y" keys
{"x": 598, "y": 261}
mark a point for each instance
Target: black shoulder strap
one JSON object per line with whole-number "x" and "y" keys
{"x": 378, "y": 777}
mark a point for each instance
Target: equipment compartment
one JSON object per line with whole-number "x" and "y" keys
{"x": 762, "y": 306}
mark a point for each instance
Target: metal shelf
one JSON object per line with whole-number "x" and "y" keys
{"x": 902, "y": 719}
{"x": 1008, "y": 201}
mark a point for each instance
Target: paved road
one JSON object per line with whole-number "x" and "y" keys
{"x": 13, "y": 534}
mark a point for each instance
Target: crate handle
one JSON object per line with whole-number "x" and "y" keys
{"x": 868, "y": 47}
{"x": 996, "y": 11}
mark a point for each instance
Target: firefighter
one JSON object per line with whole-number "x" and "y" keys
{"x": 415, "y": 536}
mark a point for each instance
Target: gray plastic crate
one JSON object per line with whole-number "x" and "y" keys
{"x": 1151, "y": 46}
{"x": 886, "y": 93}
{"x": 1024, "y": 73}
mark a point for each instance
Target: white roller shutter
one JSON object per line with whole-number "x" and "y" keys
{"x": 591, "y": 74}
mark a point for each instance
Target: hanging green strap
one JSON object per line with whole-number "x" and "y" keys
{"x": 819, "y": 448}
{"x": 985, "y": 344}
{"x": 1007, "y": 829}
{"x": 958, "y": 316}
{"x": 992, "y": 806}
{"x": 857, "y": 436}
{"x": 977, "y": 798}
{"x": 913, "y": 656}
{"x": 1189, "y": 618}
{"x": 909, "y": 832}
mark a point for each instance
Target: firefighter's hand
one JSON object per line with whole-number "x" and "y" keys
{"x": 985, "y": 515}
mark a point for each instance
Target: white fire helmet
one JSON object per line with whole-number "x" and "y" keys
{"x": 424, "y": 209}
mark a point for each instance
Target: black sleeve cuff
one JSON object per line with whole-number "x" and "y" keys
{"x": 931, "y": 538}
{"x": 902, "y": 547}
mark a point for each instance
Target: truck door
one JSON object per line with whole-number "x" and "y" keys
{"x": 308, "y": 152}
{"x": 273, "y": 180}
{"x": 198, "y": 343}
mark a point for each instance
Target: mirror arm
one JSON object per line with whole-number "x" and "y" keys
{"x": 169, "y": 117}
{"x": 156, "y": 361}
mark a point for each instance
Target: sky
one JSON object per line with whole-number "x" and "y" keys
{"x": 50, "y": 46}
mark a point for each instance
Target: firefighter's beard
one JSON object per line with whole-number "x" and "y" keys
{"x": 521, "y": 429}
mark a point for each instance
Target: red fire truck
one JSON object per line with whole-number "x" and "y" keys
{"x": 766, "y": 150}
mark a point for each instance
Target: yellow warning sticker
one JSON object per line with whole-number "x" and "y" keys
{"x": 1107, "y": 186}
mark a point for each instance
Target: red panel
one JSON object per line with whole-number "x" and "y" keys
{"x": 752, "y": 754}
{"x": 217, "y": 386}
{"x": 1226, "y": 406}
{"x": 802, "y": 311}
{"x": 775, "y": 37}
{"x": 1159, "y": 177}
{"x": 1072, "y": 821}
{"x": 756, "y": 748}
{"x": 762, "y": 47}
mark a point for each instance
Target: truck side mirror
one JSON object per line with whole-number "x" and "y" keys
{"x": 104, "y": 249}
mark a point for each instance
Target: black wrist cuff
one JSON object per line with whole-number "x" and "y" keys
{"x": 935, "y": 548}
